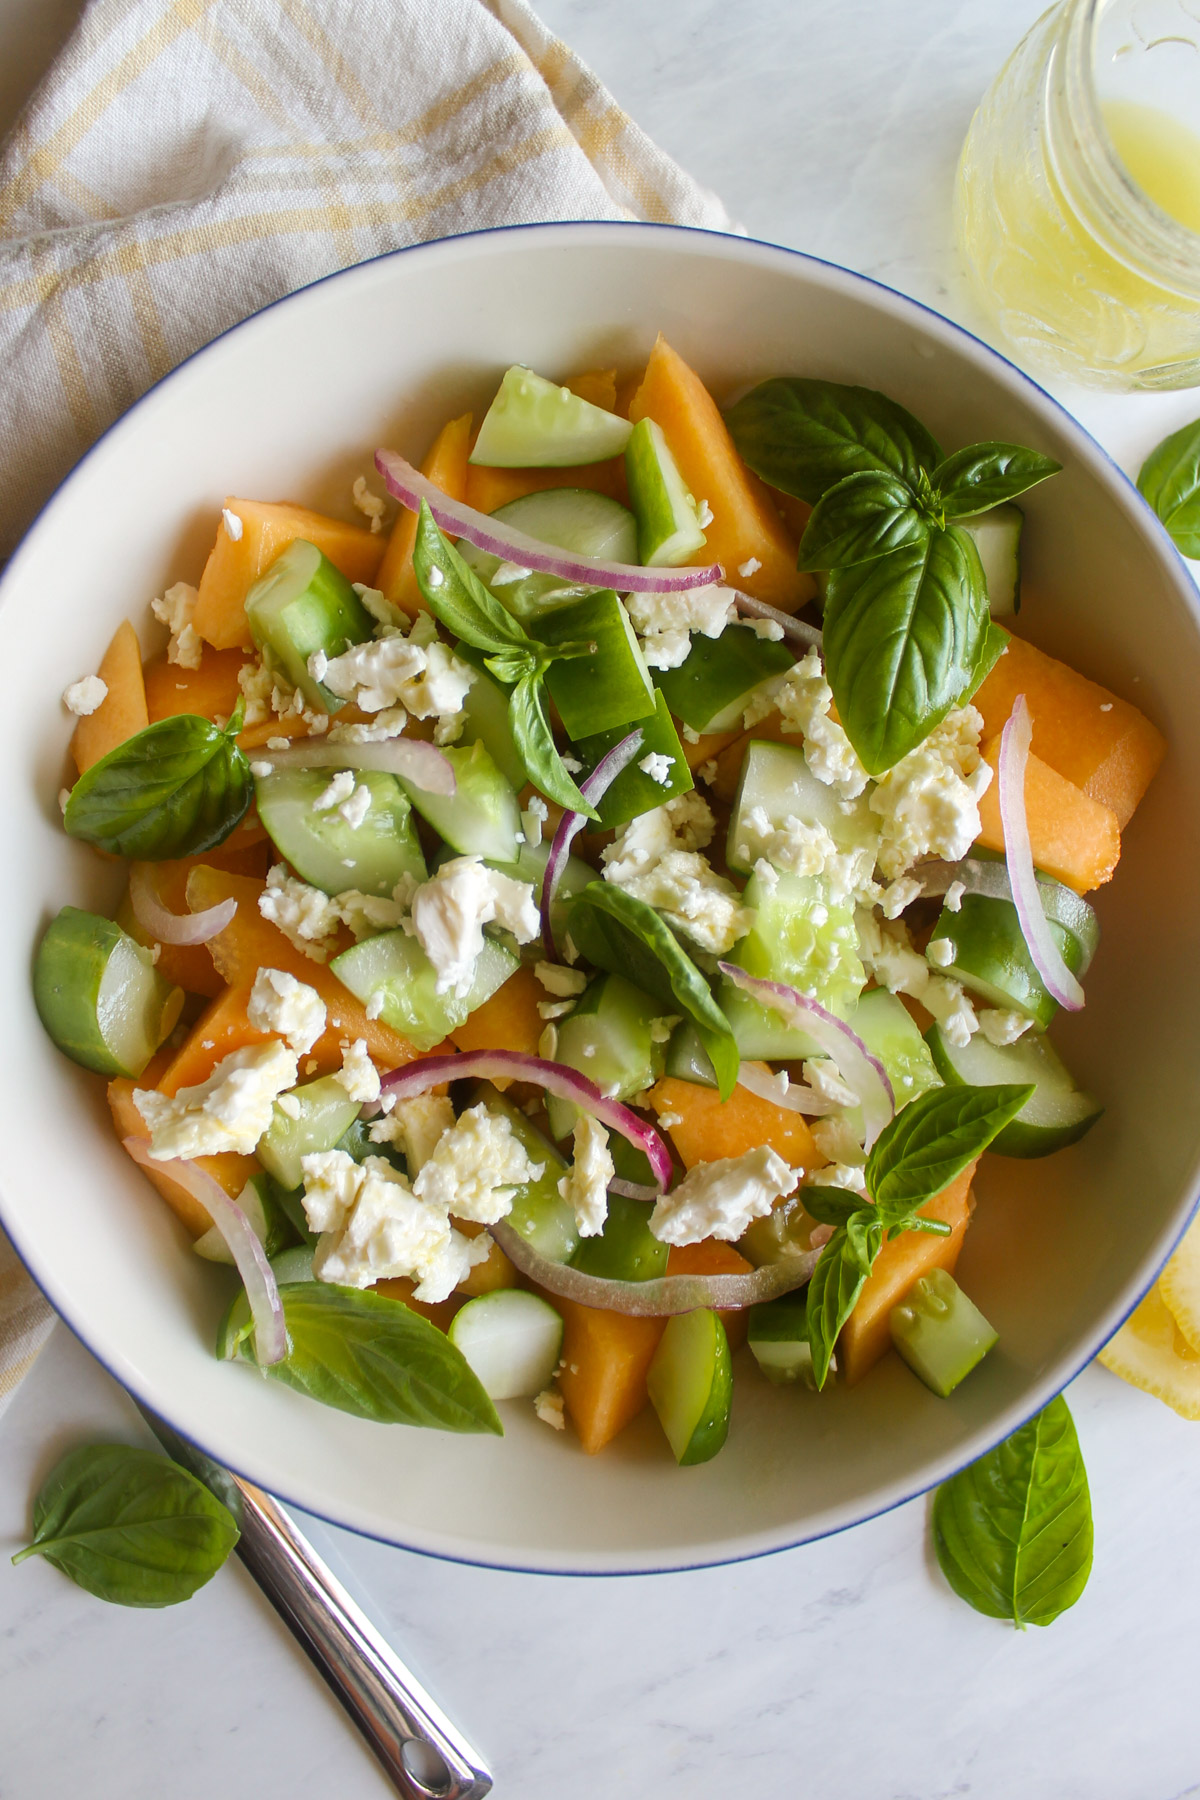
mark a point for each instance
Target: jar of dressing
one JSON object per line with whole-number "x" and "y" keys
{"x": 1078, "y": 194}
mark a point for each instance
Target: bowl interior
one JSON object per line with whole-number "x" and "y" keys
{"x": 292, "y": 405}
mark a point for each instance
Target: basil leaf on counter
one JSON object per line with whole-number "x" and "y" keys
{"x": 457, "y": 598}
{"x": 536, "y": 747}
{"x": 1170, "y": 481}
{"x": 1013, "y": 1532}
{"x": 985, "y": 475}
{"x": 932, "y": 1140}
{"x": 860, "y": 518}
{"x": 803, "y": 435}
{"x": 903, "y": 636}
{"x": 174, "y": 789}
{"x": 130, "y": 1526}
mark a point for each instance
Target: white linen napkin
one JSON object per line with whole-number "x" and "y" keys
{"x": 188, "y": 161}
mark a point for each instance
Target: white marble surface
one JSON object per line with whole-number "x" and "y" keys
{"x": 845, "y": 1669}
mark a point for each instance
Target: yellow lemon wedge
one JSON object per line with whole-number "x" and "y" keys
{"x": 1179, "y": 1284}
{"x": 1151, "y": 1352}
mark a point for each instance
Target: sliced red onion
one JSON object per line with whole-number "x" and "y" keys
{"x": 797, "y": 1097}
{"x": 270, "y": 1332}
{"x": 410, "y": 487}
{"x": 572, "y": 823}
{"x": 859, "y": 1069}
{"x": 975, "y": 874}
{"x": 633, "y": 1190}
{"x": 555, "y": 1078}
{"x": 166, "y": 927}
{"x": 1044, "y": 953}
{"x": 795, "y": 630}
{"x": 663, "y": 1296}
{"x": 421, "y": 763}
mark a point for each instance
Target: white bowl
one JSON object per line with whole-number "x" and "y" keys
{"x": 293, "y": 403}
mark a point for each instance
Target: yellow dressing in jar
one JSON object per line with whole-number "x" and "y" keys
{"x": 1161, "y": 155}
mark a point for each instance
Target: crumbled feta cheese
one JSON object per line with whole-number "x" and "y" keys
{"x": 665, "y": 622}
{"x": 897, "y": 895}
{"x": 232, "y": 523}
{"x": 387, "y": 1232}
{"x": 838, "y": 1140}
{"x": 370, "y": 505}
{"x": 381, "y": 609}
{"x": 571, "y": 764}
{"x": 852, "y": 1176}
{"x": 508, "y": 573}
{"x": 366, "y": 914}
{"x": 823, "y": 1078}
{"x": 280, "y": 1003}
{"x": 689, "y": 893}
{"x": 559, "y": 980}
{"x": 669, "y": 1120}
{"x": 375, "y": 1005}
{"x": 332, "y": 1179}
{"x": 85, "y": 695}
{"x": 548, "y": 1405}
{"x": 952, "y": 1009}
{"x": 1106, "y": 706}
{"x": 954, "y": 895}
{"x": 278, "y": 743}
{"x": 888, "y": 955}
{"x": 804, "y": 848}
{"x": 340, "y": 788}
{"x": 387, "y": 724}
{"x": 416, "y": 1126}
{"x": 684, "y": 823}
{"x": 426, "y": 678}
{"x": 358, "y": 1074}
{"x": 450, "y": 910}
{"x": 750, "y": 567}
{"x": 307, "y": 917}
{"x": 720, "y": 1199}
{"x": 355, "y": 809}
{"x": 177, "y": 610}
{"x": 1000, "y": 1026}
{"x": 770, "y": 629}
{"x": 929, "y": 801}
{"x": 260, "y": 770}
{"x": 708, "y": 771}
{"x": 475, "y": 1167}
{"x": 585, "y": 1185}
{"x": 288, "y": 1103}
{"x": 804, "y": 698}
{"x": 704, "y": 515}
{"x": 229, "y": 1111}
{"x": 661, "y": 1029}
{"x": 658, "y": 767}
{"x": 257, "y": 686}
{"x": 554, "y": 1009}
{"x": 940, "y": 952}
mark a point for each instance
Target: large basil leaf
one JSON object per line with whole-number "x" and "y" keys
{"x": 1013, "y": 1532}
{"x": 903, "y": 637}
{"x": 1170, "y": 481}
{"x": 837, "y": 1281}
{"x": 130, "y": 1526}
{"x": 174, "y": 789}
{"x": 863, "y": 516}
{"x": 932, "y": 1140}
{"x": 375, "y": 1357}
{"x": 995, "y": 643}
{"x": 803, "y": 435}
{"x": 536, "y": 747}
{"x": 985, "y": 475}
{"x": 455, "y": 595}
{"x": 615, "y": 931}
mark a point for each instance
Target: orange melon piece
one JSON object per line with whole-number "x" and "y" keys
{"x": 231, "y": 1171}
{"x": 268, "y": 527}
{"x": 713, "y": 1257}
{"x": 398, "y": 1287}
{"x": 708, "y": 746}
{"x": 485, "y": 1277}
{"x": 704, "y": 1127}
{"x": 597, "y": 386}
{"x": 867, "y": 1333}
{"x": 211, "y": 690}
{"x": 1074, "y": 838}
{"x": 489, "y": 489}
{"x": 605, "y": 1357}
{"x": 446, "y": 467}
{"x": 221, "y": 1029}
{"x": 190, "y": 966}
{"x": 1100, "y": 743}
{"x": 122, "y": 713}
{"x": 745, "y": 522}
{"x": 509, "y": 1020}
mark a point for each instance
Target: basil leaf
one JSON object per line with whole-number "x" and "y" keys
{"x": 803, "y": 435}
{"x": 176, "y": 788}
{"x": 536, "y": 747}
{"x": 995, "y": 643}
{"x": 1170, "y": 481}
{"x": 613, "y": 930}
{"x": 985, "y": 475}
{"x": 837, "y": 1281}
{"x": 130, "y": 1526}
{"x": 831, "y": 1205}
{"x": 1013, "y": 1532}
{"x": 863, "y": 516}
{"x": 511, "y": 666}
{"x": 455, "y": 595}
{"x": 375, "y": 1357}
{"x": 932, "y": 1140}
{"x": 903, "y": 637}
{"x": 864, "y": 1237}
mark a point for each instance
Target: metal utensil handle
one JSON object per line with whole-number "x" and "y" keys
{"x": 426, "y": 1758}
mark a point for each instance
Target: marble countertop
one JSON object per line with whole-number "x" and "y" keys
{"x": 843, "y": 1669}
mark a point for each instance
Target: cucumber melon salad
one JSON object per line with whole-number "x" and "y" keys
{"x": 564, "y": 932}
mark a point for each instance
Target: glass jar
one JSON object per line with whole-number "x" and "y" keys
{"x": 1084, "y": 273}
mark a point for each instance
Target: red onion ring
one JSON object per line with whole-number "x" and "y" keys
{"x": 412, "y": 758}
{"x": 1044, "y": 953}
{"x": 663, "y": 1296}
{"x": 633, "y": 1190}
{"x": 410, "y": 487}
{"x": 555, "y": 1078}
{"x": 794, "y": 629}
{"x": 991, "y": 881}
{"x": 572, "y": 823}
{"x": 859, "y": 1069}
{"x": 270, "y": 1332}
{"x": 166, "y": 927}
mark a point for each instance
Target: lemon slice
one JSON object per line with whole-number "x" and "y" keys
{"x": 1180, "y": 1285}
{"x": 1151, "y": 1352}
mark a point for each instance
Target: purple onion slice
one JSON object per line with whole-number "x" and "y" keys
{"x": 421, "y": 763}
{"x": 166, "y": 927}
{"x": 572, "y": 823}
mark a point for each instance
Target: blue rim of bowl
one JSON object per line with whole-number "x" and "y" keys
{"x": 1093, "y": 1341}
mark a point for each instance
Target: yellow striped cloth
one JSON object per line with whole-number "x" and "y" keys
{"x": 187, "y": 161}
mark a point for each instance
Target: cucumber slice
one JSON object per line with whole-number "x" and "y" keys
{"x": 303, "y": 604}
{"x": 512, "y": 1339}
{"x": 539, "y": 1212}
{"x": 634, "y": 791}
{"x": 940, "y": 1334}
{"x": 777, "y": 1334}
{"x": 485, "y": 719}
{"x": 269, "y": 1220}
{"x": 1058, "y": 1113}
{"x": 395, "y": 965}
{"x": 690, "y": 1382}
{"x": 574, "y": 519}
{"x": 668, "y": 523}
{"x": 802, "y": 938}
{"x": 991, "y": 957}
{"x": 997, "y": 536}
{"x": 711, "y": 687}
{"x": 237, "y": 1326}
{"x": 535, "y": 424}
{"x": 609, "y": 1038}
{"x": 626, "y": 1249}
{"x": 778, "y": 781}
{"x": 890, "y": 1032}
{"x": 326, "y": 1112}
{"x": 327, "y": 852}
{"x": 483, "y": 816}
{"x": 783, "y": 1232}
{"x": 99, "y": 994}
{"x": 609, "y": 687}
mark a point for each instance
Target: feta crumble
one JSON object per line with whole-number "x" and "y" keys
{"x": 475, "y": 1166}
{"x": 355, "y": 809}
{"x": 954, "y": 896}
{"x": 548, "y": 1405}
{"x": 450, "y": 910}
{"x": 929, "y": 801}
{"x": 177, "y": 610}
{"x": 720, "y": 1199}
{"x": 417, "y": 672}
{"x": 750, "y": 567}
{"x": 229, "y": 1111}
{"x": 940, "y": 952}
{"x": 84, "y": 696}
{"x": 560, "y": 981}
{"x": 370, "y": 505}
{"x": 1001, "y": 1026}
{"x": 416, "y": 1127}
{"x": 358, "y": 1074}
{"x": 685, "y": 888}
{"x": 232, "y": 523}
{"x": 280, "y": 1003}
{"x": 665, "y": 622}
{"x": 307, "y": 917}
{"x": 340, "y": 788}
{"x": 658, "y": 767}
{"x": 585, "y": 1185}
{"x": 804, "y": 698}
{"x": 384, "y": 1231}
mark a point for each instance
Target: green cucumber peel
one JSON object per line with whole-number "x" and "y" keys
{"x": 1170, "y": 481}
{"x": 176, "y": 788}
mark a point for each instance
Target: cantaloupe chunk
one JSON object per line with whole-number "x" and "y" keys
{"x": 122, "y": 713}
{"x": 446, "y": 467}
{"x": 867, "y": 1332}
{"x": 485, "y": 1277}
{"x": 713, "y": 1257}
{"x": 211, "y": 690}
{"x": 745, "y": 523}
{"x": 509, "y": 1020}
{"x": 221, "y": 1029}
{"x": 605, "y": 1357}
{"x": 597, "y": 386}
{"x": 490, "y": 489}
{"x": 709, "y": 1128}
{"x": 708, "y": 746}
{"x": 1097, "y": 741}
{"x": 1073, "y": 837}
{"x": 231, "y": 1171}
{"x": 398, "y": 1287}
{"x": 190, "y": 966}
{"x": 268, "y": 527}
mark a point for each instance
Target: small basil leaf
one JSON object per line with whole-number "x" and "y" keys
{"x": 903, "y": 637}
{"x": 863, "y": 516}
{"x": 831, "y": 1205}
{"x": 536, "y": 747}
{"x": 130, "y": 1526}
{"x": 836, "y": 1283}
{"x": 455, "y": 595}
{"x": 932, "y": 1140}
{"x": 985, "y": 475}
{"x": 372, "y": 1356}
{"x": 1170, "y": 481}
{"x": 864, "y": 1236}
{"x": 174, "y": 789}
{"x": 803, "y": 435}
{"x": 1013, "y": 1531}
{"x": 511, "y": 666}
{"x": 626, "y": 936}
